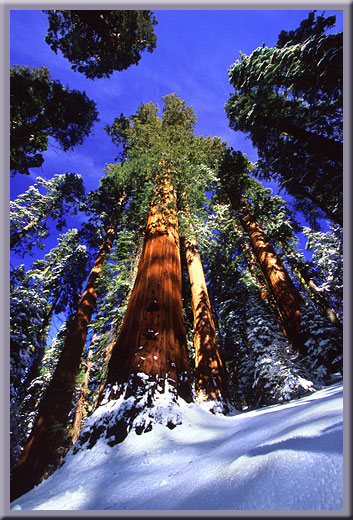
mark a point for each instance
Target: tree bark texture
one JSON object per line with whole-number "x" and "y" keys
{"x": 77, "y": 423}
{"x": 257, "y": 274}
{"x": 40, "y": 455}
{"x": 286, "y": 294}
{"x": 152, "y": 339}
{"x": 209, "y": 372}
{"x": 284, "y": 291}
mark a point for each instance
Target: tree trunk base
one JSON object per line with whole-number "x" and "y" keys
{"x": 133, "y": 406}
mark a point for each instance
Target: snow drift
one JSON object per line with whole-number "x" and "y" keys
{"x": 282, "y": 457}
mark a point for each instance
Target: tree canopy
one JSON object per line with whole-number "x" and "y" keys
{"x": 288, "y": 99}
{"x": 97, "y": 43}
{"x": 41, "y": 107}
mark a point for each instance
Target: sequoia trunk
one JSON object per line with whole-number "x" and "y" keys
{"x": 77, "y": 423}
{"x": 284, "y": 291}
{"x": 40, "y": 455}
{"x": 152, "y": 343}
{"x": 316, "y": 296}
{"x": 209, "y": 374}
{"x": 286, "y": 294}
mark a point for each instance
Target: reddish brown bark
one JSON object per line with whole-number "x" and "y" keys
{"x": 286, "y": 295}
{"x": 313, "y": 291}
{"x": 209, "y": 374}
{"x": 258, "y": 275}
{"x": 152, "y": 338}
{"x": 79, "y": 410}
{"x": 284, "y": 291}
{"x": 41, "y": 453}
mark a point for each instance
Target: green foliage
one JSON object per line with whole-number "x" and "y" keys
{"x": 288, "y": 99}
{"x": 52, "y": 286}
{"x": 99, "y": 42}
{"x": 41, "y": 107}
{"x": 31, "y": 210}
{"x": 327, "y": 249}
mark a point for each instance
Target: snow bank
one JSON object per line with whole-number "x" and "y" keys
{"x": 283, "y": 457}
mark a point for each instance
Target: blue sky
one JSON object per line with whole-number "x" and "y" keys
{"x": 195, "y": 49}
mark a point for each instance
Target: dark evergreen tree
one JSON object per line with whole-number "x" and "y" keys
{"x": 52, "y": 286}
{"x": 288, "y": 99}
{"x": 31, "y": 210}
{"x": 41, "y": 453}
{"x": 41, "y": 107}
{"x": 99, "y": 42}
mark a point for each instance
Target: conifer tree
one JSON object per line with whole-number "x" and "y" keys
{"x": 99, "y": 42}
{"x": 210, "y": 384}
{"x": 31, "y": 210}
{"x": 148, "y": 371}
{"x": 287, "y": 296}
{"x": 41, "y": 452}
{"x": 289, "y": 100}
{"x": 52, "y": 286}
{"x": 41, "y": 107}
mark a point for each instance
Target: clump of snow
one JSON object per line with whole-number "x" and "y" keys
{"x": 280, "y": 457}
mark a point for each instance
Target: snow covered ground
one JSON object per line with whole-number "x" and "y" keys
{"x": 283, "y": 457}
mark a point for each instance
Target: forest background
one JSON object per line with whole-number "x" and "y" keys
{"x": 180, "y": 66}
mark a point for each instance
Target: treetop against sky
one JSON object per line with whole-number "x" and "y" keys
{"x": 194, "y": 51}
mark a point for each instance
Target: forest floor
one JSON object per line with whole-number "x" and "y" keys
{"x": 281, "y": 457}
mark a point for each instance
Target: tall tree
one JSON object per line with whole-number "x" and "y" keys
{"x": 99, "y": 42}
{"x": 288, "y": 299}
{"x": 210, "y": 383}
{"x": 289, "y": 100}
{"x": 148, "y": 370}
{"x": 52, "y": 286}
{"x": 40, "y": 454}
{"x": 257, "y": 355}
{"x": 41, "y": 107}
{"x": 31, "y": 210}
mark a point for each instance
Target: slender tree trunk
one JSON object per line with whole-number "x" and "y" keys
{"x": 284, "y": 291}
{"x": 77, "y": 422}
{"x": 257, "y": 274}
{"x": 40, "y": 454}
{"x": 150, "y": 352}
{"x": 209, "y": 373}
{"x": 286, "y": 294}
{"x": 315, "y": 294}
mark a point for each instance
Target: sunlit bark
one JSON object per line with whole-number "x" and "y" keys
{"x": 209, "y": 373}
{"x": 152, "y": 338}
{"x": 41, "y": 453}
{"x": 286, "y": 294}
{"x": 284, "y": 291}
{"x": 81, "y": 402}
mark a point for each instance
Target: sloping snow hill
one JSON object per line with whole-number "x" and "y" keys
{"x": 283, "y": 457}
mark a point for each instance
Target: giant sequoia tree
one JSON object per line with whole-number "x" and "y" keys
{"x": 41, "y": 451}
{"x": 148, "y": 369}
{"x": 254, "y": 336}
{"x": 289, "y": 100}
